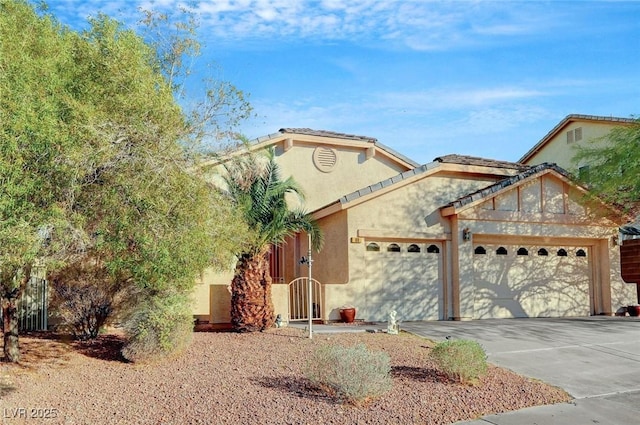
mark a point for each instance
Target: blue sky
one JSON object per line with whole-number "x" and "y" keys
{"x": 425, "y": 78}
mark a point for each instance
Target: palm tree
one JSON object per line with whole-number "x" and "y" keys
{"x": 259, "y": 193}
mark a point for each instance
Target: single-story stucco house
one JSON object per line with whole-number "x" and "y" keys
{"x": 458, "y": 238}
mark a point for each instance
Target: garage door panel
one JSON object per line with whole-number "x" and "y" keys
{"x": 407, "y": 282}
{"x": 530, "y": 285}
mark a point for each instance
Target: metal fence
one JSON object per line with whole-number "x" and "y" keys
{"x": 299, "y": 299}
{"x": 33, "y": 306}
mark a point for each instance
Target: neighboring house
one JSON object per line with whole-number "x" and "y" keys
{"x": 458, "y": 238}
{"x": 558, "y": 146}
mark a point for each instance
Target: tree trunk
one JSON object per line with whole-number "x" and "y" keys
{"x": 10, "y": 328}
{"x": 251, "y": 304}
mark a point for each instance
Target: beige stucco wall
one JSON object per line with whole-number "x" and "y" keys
{"x": 558, "y": 151}
{"x": 408, "y": 213}
{"x": 513, "y": 225}
{"x": 352, "y": 171}
{"x": 211, "y": 297}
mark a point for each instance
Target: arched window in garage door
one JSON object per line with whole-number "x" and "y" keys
{"x": 562, "y": 252}
{"x": 523, "y": 251}
{"x": 501, "y": 251}
{"x": 433, "y": 249}
{"x": 393, "y": 247}
{"x": 413, "y": 248}
{"x": 581, "y": 253}
{"x": 373, "y": 247}
{"x": 480, "y": 250}
{"x": 543, "y": 252}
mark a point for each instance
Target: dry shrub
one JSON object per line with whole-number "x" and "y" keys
{"x": 160, "y": 326}
{"x": 85, "y": 297}
{"x": 354, "y": 374}
{"x": 461, "y": 360}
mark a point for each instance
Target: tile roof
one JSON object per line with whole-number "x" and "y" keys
{"x": 449, "y": 159}
{"x": 325, "y": 133}
{"x": 388, "y": 182}
{"x": 509, "y": 181}
{"x": 483, "y": 162}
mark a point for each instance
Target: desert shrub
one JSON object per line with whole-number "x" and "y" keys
{"x": 354, "y": 374}
{"x": 85, "y": 297}
{"x": 461, "y": 360}
{"x": 160, "y": 326}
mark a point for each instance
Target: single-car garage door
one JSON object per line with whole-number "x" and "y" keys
{"x": 531, "y": 281}
{"x": 405, "y": 277}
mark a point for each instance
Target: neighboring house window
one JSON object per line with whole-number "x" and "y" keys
{"x": 577, "y": 134}
{"x": 523, "y": 251}
{"x": 581, "y": 253}
{"x": 433, "y": 249}
{"x": 413, "y": 248}
{"x": 583, "y": 173}
{"x": 501, "y": 251}
{"x": 574, "y": 135}
{"x": 394, "y": 247}
{"x": 562, "y": 252}
{"x": 276, "y": 263}
{"x": 543, "y": 252}
{"x": 373, "y": 247}
{"x": 480, "y": 250}
{"x": 570, "y": 136}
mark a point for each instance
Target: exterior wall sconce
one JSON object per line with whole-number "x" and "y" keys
{"x": 466, "y": 234}
{"x": 615, "y": 240}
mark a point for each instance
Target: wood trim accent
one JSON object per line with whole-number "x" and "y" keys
{"x": 370, "y": 152}
{"x": 488, "y": 238}
{"x": 401, "y": 236}
{"x": 538, "y": 218}
{"x": 288, "y": 144}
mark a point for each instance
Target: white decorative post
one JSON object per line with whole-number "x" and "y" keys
{"x": 310, "y": 291}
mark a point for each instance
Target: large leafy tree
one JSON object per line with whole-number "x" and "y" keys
{"x": 35, "y": 129}
{"x": 98, "y": 163}
{"x": 259, "y": 192}
{"x": 614, "y": 166}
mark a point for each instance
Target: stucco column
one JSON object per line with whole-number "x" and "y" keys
{"x": 455, "y": 268}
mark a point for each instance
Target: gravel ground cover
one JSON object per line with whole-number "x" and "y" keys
{"x": 229, "y": 378}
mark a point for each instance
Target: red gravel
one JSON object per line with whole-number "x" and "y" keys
{"x": 228, "y": 378}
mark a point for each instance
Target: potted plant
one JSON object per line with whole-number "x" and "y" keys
{"x": 633, "y": 310}
{"x": 347, "y": 313}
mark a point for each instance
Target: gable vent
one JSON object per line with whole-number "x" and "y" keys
{"x": 325, "y": 159}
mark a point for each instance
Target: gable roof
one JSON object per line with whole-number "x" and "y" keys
{"x": 448, "y": 162}
{"x": 486, "y": 192}
{"x": 325, "y": 133}
{"x": 566, "y": 121}
{"x": 482, "y": 162}
{"x": 483, "y": 194}
{"x": 349, "y": 139}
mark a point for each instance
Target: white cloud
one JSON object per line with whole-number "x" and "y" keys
{"x": 454, "y": 98}
{"x": 419, "y": 25}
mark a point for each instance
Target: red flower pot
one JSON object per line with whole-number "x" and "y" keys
{"x": 633, "y": 310}
{"x": 348, "y": 315}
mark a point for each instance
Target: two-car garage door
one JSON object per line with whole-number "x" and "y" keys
{"x": 531, "y": 281}
{"x": 405, "y": 277}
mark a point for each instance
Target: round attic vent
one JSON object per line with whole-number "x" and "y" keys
{"x": 324, "y": 159}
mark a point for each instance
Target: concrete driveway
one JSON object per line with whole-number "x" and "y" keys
{"x": 595, "y": 359}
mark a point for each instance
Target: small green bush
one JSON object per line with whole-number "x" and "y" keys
{"x": 461, "y": 360}
{"x": 354, "y": 374}
{"x": 161, "y": 326}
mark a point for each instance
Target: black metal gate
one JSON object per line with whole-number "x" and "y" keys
{"x": 33, "y": 306}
